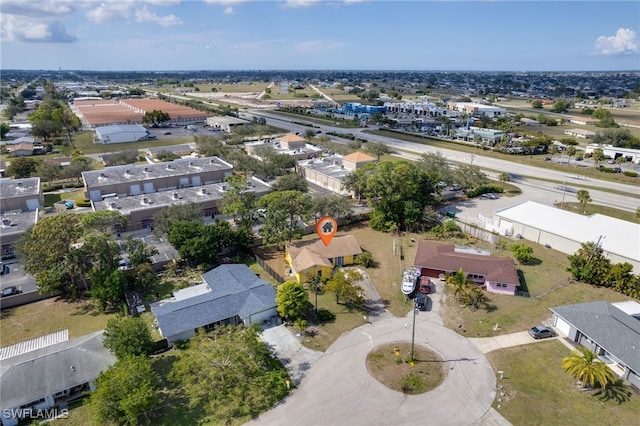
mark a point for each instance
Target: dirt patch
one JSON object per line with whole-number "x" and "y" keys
{"x": 391, "y": 365}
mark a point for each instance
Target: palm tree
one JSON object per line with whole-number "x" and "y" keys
{"x": 584, "y": 366}
{"x": 459, "y": 282}
{"x": 583, "y": 198}
{"x": 571, "y": 151}
{"x": 504, "y": 177}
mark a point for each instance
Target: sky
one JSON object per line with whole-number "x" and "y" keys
{"x": 168, "y": 35}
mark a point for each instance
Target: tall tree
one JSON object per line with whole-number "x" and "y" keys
{"x": 583, "y": 198}
{"x": 378, "y": 149}
{"x": 230, "y": 374}
{"x": 125, "y": 392}
{"x": 598, "y": 156}
{"x": 589, "y": 264}
{"x": 291, "y": 182}
{"x": 238, "y": 200}
{"x": 571, "y": 151}
{"x": 583, "y": 364}
{"x": 285, "y": 211}
{"x": 177, "y": 212}
{"x": 139, "y": 252}
{"x": 127, "y": 336}
{"x": 292, "y": 300}
{"x": 103, "y": 221}
{"x": 459, "y": 281}
{"x": 21, "y": 167}
{"x": 46, "y": 250}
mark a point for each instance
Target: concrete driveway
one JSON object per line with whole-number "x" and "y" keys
{"x": 339, "y": 389}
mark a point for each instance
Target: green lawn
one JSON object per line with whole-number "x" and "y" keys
{"x": 538, "y": 392}
{"x": 84, "y": 142}
{"x": 548, "y": 283}
{"x": 50, "y": 315}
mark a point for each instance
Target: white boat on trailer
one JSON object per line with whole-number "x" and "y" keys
{"x": 409, "y": 281}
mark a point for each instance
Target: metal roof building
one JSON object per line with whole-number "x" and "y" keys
{"x": 566, "y": 231}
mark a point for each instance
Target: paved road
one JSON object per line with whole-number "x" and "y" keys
{"x": 339, "y": 390}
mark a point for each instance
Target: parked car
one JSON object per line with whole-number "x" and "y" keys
{"x": 421, "y": 301}
{"x": 10, "y": 291}
{"x": 455, "y": 187}
{"x": 167, "y": 133}
{"x": 541, "y": 332}
{"x": 489, "y": 196}
{"x": 425, "y": 285}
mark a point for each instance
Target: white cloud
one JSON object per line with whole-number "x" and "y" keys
{"x": 625, "y": 42}
{"x": 294, "y": 4}
{"x": 226, "y": 2}
{"x": 40, "y": 8}
{"x": 16, "y": 28}
{"x": 229, "y": 11}
{"x": 112, "y": 11}
{"x": 316, "y": 45}
{"x": 144, "y": 15}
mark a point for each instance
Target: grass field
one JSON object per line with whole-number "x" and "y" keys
{"x": 84, "y": 142}
{"x": 50, "y": 315}
{"x": 548, "y": 283}
{"x": 538, "y": 392}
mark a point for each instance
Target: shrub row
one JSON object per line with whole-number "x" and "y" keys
{"x": 484, "y": 189}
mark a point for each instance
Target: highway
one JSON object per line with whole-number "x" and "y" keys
{"x": 530, "y": 179}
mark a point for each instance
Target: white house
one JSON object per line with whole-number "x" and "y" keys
{"x": 119, "y": 133}
{"x": 230, "y": 295}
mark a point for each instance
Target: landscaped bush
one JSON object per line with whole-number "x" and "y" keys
{"x": 83, "y": 203}
{"x": 632, "y": 174}
{"x": 484, "y": 189}
{"x": 325, "y": 315}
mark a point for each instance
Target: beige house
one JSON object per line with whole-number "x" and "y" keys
{"x": 312, "y": 258}
{"x": 330, "y": 172}
{"x": 580, "y": 133}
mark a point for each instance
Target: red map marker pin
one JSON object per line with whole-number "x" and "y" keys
{"x": 326, "y": 229}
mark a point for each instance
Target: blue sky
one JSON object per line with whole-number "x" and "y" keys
{"x": 309, "y": 34}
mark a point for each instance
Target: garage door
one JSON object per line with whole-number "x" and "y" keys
{"x": 135, "y": 189}
{"x": 184, "y": 182}
{"x": 148, "y": 188}
{"x": 95, "y": 195}
{"x": 196, "y": 181}
{"x": 562, "y": 326}
{"x": 33, "y": 204}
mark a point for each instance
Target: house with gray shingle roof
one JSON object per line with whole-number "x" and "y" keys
{"x": 50, "y": 376}
{"x": 611, "y": 330}
{"x": 230, "y": 295}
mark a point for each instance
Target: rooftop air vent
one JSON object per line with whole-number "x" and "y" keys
{"x": 146, "y": 169}
{"x": 169, "y": 166}
{"x": 6, "y": 222}
{"x": 203, "y": 190}
{"x": 224, "y": 187}
{"x": 190, "y": 163}
{"x": 113, "y": 205}
{"x": 145, "y": 200}
{"x": 176, "y": 196}
{"x": 127, "y": 172}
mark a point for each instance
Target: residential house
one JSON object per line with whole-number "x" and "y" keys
{"x": 48, "y": 372}
{"x": 611, "y": 330}
{"x": 313, "y": 258}
{"x": 22, "y": 149}
{"x": 230, "y": 295}
{"x": 492, "y": 273}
